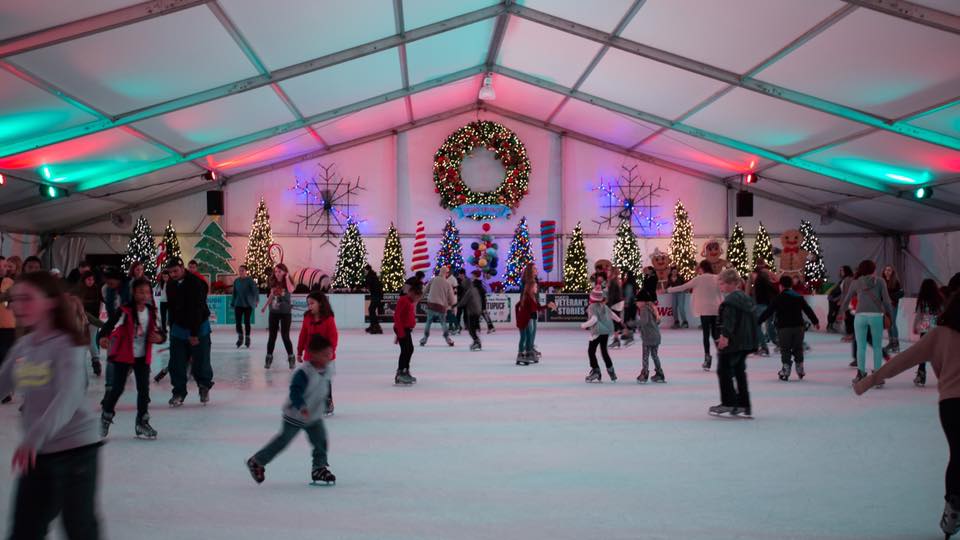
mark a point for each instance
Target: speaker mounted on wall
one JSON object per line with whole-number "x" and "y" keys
{"x": 215, "y": 202}
{"x": 744, "y": 204}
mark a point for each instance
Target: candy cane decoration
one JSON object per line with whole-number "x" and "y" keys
{"x": 548, "y": 229}
{"x": 420, "y": 261}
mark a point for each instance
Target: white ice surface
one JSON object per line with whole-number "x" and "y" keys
{"x": 480, "y": 448}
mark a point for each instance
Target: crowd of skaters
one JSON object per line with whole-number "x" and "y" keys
{"x": 59, "y": 319}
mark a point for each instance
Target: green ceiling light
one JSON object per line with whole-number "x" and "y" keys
{"x": 902, "y": 178}
{"x": 46, "y": 172}
{"x": 923, "y": 192}
{"x": 52, "y": 192}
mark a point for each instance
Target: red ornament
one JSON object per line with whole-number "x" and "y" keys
{"x": 486, "y": 227}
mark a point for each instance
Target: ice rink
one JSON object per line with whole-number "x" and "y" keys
{"x": 481, "y": 448}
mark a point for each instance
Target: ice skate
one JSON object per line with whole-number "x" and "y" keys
{"x": 533, "y": 356}
{"x": 268, "y": 361}
{"x": 612, "y": 374}
{"x": 707, "y": 360}
{"x": 740, "y": 412}
{"x": 720, "y": 410}
{"x": 491, "y": 330}
{"x": 658, "y": 377}
{"x": 423, "y": 341}
{"x": 105, "y": 420}
{"x": 853, "y": 363}
{"x": 328, "y": 410}
{"x": 643, "y": 376}
{"x": 684, "y": 324}
{"x": 97, "y": 367}
{"x": 921, "y": 379}
{"x": 323, "y": 474}
{"x": 522, "y": 359}
{"x": 615, "y": 344}
{"x": 763, "y": 351}
{"x": 246, "y": 342}
{"x": 291, "y": 361}
{"x": 675, "y": 325}
{"x": 950, "y": 521}
{"x": 449, "y": 341}
{"x": 239, "y": 340}
{"x": 257, "y": 471}
{"x": 204, "y": 395}
{"x": 411, "y": 378}
{"x": 593, "y": 376}
{"x": 475, "y": 346}
{"x": 800, "y": 371}
{"x": 176, "y": 401}
{"x": 784, "y": 372}
{"x": 403, "y": 378}
{"x": 860, "y": 376}
{"x": 893, "y": 347}
{"x": 160, "y": 375}
{"x": 144, "y": 430}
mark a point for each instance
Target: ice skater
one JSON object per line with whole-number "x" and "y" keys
{"x": 738, "y": 338}
{"x": 404, "y": 322}
{"x": 245, "y": 298}
{"x": 129, "y": 337}
{"x": 788, "y": 308}
{"x": 706, "y": 304}
{"x": 929, "y": 307}
{"x": 648, "y": 326}
{"x": 319, "y": 321}
{"x": 471, "y": 307}
{"x": 281, "y": 314}
{"x": 303, "y": 411}
{"x": 440, "y": 298}
{"x": 600, "y": 322}
{"x": 526, "y": 312}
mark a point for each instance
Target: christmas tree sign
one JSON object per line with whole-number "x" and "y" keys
{"x": 737, "y": 251}
{"x": 813, "y": 269}
{"x": 392, "y": 272}
{"x": 451, "y": 251}
{"x": 682, "y": 251}
{"x": 141, "y": 248}
{"x": 351, "y": 259}
{"x": 575, "y": 277}
{"x": 626, "y": 251}
{"x": 212, "y": 252}
{"x": 258, "y": 260}
{"x": 521, "y": 254}
{"x": 763, "y": 249}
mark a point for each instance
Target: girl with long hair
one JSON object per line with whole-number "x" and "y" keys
{"x": 706, "y": 305}
{"x": 281, "y": 313}
{"x": 930, "y": 303}
{"x": 873, "y": 302}
{"x": 319, "y": 321}
{"x": 895, "y": 292}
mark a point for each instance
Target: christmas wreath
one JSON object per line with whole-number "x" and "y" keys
{"x": 505, "y": 145}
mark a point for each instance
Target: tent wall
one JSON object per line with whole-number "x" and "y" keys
{"x": 396, "y": 173}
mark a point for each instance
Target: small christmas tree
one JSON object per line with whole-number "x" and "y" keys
{"x": 737, "y": 251}
{"x": 575, "y": 277}
{"x": 212, "y": 252}
{"x": 626, "y": 251}
{"x": 451, "y": 251}
{"x": 351, "y": 259}
{"x": 763, "y": 249}
{"x": 813, "y": 269}
{"x": 141, "y": 248}
{"x": 392, "y": 272}
{"x": 682, "y": 251}
{"x": 258, "y": 261}
{"x": 521, "y": 254}
{"x": 170, "y": 242}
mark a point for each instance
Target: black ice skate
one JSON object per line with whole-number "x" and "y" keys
{"x": 740, "y": 412}
{"x": 615, "y": 344}
{"x": 423, "y": 341}
{"x": 860, "y": 376}
{"x": 593, "y": 376}
{"x": 491, "y": 330}
{"x": 176, "y": 401}
{"x": 658, "y": 377}
{"x": 160, "y": 375}
{"x": 144, "y": 430}
{"x": 239, "y": 340}
{"x": 721, "y": 410}
{"x": 523, "y": 359}
{"x": 475, "y": 346}
{"x": 534, "y": 356}
{"x": 921, "y": 379}
{"x": 106, "y": 418}
{"x": 246, "y": 342}
{"x": 291, "y": 361}
{"x": 268, "y": 361}
{"x": 612, "y": 374}
{"x": 643, "y": 376}
{"x": 707, "y": 360}
{"x": 801, "y": 373}
{"x": 853, "y": 363}
{"x": 324, "y": 475}
{"x": 449, "y": 341}
{"x": 785, "y": 372}
{"x": 402, "y": 378}
{"x": 628, "y": 341}
{"x": 204, "y": 395}
{"x": 257, "y": 471}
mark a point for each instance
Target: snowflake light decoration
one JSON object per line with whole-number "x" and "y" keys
{"x": 630, "y": 198}
{"x": 327, "y": 209}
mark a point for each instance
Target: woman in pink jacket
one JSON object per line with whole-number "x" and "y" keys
{"x": 706, "y": 304}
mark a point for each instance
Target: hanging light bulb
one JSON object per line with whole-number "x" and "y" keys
{"x": 487, "y": 92}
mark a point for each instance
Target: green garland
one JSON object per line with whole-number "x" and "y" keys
{"x": 505, "y": 145}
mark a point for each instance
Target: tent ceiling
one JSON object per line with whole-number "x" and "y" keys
{"x": 836, "y": 100}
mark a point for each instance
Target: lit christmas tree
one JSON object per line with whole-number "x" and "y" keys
{"x": 258, "y": 261}
{"x": 212, "y": 252}
{"x": 813, "y": 269}
{"x": 171, "y": 244}
{"x": 351, "y": 259}
{"x": 737, "y": 251}
{"x": 763, "y": 249}
{"x": 392, "y": 272}
{"x": 682, "y": 251}
{"x": 626, "y": 251}
{"x": 141, "y": 248}
{"x": 575, "y": 277}
{"x": 451, "y": 251}
{"x": 521, "y": 254}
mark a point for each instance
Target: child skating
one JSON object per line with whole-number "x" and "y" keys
{"x": 648, "y": 325}
{"x": 404, "y": 321}
{"x": 600, "y": 322}
{"x": 319, "y": 321}
{"x": 526, "y": 312}
{"x": 738, "y": 338}
{"x": 472, "y": 308}
{"x": 789, "y": 307}
{"x": 303, "y": 411}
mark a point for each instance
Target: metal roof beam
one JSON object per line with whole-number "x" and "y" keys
{"x": 93, "y": 25}
{"x": 250, "y": 83}
{"x": 934, "y": 18}
{"x": 824, "y": 170}
{"x": 402, "y": 52}
{"x": 734, "y": 79}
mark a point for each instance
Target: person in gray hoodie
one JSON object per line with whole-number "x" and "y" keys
{"x": 472, "y": 307}
{"x": 440, "y": 298}
{"x": 873, "y": 302}
{"x": 58, "y": 456}
{"x": 245, "y": 298}
{"x": 303, "y": 410}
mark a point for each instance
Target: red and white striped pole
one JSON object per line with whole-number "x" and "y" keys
{"x": 421, "y": 260}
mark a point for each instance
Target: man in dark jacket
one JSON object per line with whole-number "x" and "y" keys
{"x": 375, "y": 288}
{"x": 189, "y": 332}
{"x": 738, "y": 338}
{"x": 789, "y": 308}
{"x": 482, "y": 291}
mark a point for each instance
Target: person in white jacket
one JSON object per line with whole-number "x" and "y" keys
{"x": 441, "y": 297}
{"x": 706, "y": 304}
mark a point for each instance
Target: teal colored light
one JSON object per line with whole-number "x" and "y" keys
{"x": 901, "y": 178}
{"x": 24, "y": 124}
{"x": 46, "y": 172}
{"x": 881, "y": 171}
{"x": 921, "y": 193}
{"x": 51, "y": 192}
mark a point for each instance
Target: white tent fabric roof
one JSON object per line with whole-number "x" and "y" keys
{"x": 847, "y": 104}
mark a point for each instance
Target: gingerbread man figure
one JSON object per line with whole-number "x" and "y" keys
{"x": 713, "y": 252}
{"x": 661, "y": 265}
{"x": 792, "y": 258}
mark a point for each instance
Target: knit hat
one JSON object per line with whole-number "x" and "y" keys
{"x": 597, "y": 295}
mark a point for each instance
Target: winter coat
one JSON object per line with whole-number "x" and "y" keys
{"x": 245, "y": 293}
{"x": 309, "y": 389}
{"x": 647, "y": 326}
{"x": 790, "y": 307}
{"x": 326, "y": 327}
{"x": 706, "y": 294}
{"x": 404, "y": 317}
{"x": 374, "y": 287}
{"x": 482, "y": 291}
{"x": 738, "y": 322}
{"x": 600, "y": 320}
{"x": 869, "y": 290}
{"x": 615, "y": 296}
{"x": 764, "y": 292}
{"x": 440, "y": 294}
{"x": 470, "y": 301}
{"x": 527, "y": 309}
{"x": 122, "y": 330}
{"x": 187, "y": 304}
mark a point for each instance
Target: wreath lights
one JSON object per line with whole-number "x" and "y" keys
{"x": 504, "y": 144}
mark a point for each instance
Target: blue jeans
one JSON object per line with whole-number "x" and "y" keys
{"x": 440, "y": 316}
{"x": 527, "y": 336}
{"x": 679, "y": 308}
{"x": 873, "y": 322}
{"x": 767, "y": 331}
{"x": 894, "y": 333}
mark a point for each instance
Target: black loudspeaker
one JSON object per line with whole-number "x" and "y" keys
{"x": 215, "y": 203}
{"x": 744, "y": 204}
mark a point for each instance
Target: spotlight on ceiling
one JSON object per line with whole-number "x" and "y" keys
{"x": 52, "y": 192}
{"x": 210, "y": 175}
{"x": 487, "y": 92}
{"x": 3, "y": 180}
{"x": 750, "y": 178}
{"x": 923, "y": 193}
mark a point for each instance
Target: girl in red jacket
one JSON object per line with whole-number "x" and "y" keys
{"x": 319, "y": 321}
{"x": 129, "y": 336}
{"x": 526, "y": 312}
{"x": 404, "y": 321}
